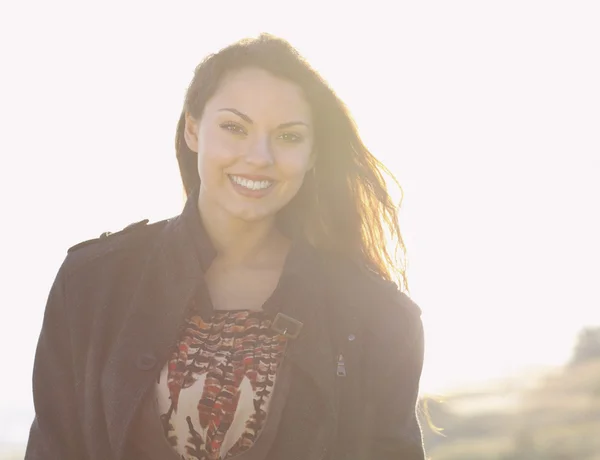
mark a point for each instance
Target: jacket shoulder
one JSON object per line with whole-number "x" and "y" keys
{"x": 130, "y": 228}
{"x": 109, "y": 242}
{"x": 368, "y": 291}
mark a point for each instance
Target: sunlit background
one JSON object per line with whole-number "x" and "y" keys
{"x": 488, "y": 113}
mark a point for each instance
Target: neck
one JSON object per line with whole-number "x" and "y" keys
{"x": 239, "y": 242}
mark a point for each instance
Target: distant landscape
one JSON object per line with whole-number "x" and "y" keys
{"x": 551, "y": 417}
{"x": 555, "y": 418}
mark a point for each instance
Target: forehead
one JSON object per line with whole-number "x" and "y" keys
{"x": 256, "y": 92}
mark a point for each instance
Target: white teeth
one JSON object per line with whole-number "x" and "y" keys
{"x": 251, "y": 184}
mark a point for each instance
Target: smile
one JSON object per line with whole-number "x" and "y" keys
{"x": 251, "y": 184}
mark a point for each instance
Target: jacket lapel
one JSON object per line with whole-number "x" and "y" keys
{"x": 313, "y": 350}
{"x": 307, "y": 300}
{"x": 166, "y": 288}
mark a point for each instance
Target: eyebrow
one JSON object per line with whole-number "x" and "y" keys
{"x": 246, "y": 118}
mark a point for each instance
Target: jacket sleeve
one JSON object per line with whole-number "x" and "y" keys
{"x": 55, "y": 432}
{"x": 396, "y": 362}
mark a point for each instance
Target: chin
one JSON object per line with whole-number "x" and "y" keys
{"x": 254, "y": 215}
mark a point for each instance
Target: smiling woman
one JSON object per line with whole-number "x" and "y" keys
{"x": 263, "y": 322}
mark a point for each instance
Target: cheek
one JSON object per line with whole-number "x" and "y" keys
{"x": 214, "y": 153}
{"x": 295, "y": 164}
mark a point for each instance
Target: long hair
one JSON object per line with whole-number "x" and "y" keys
{"x": 343, "y": 206}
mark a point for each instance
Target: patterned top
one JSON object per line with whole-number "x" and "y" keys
{"x": 213, "y": 394}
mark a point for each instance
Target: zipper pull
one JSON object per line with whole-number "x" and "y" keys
{"x": 341, "y": 366}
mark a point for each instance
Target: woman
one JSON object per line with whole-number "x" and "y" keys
{"x": 261, "y": 323}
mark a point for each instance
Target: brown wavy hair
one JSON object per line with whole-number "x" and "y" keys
{"x": 343, "y": 206}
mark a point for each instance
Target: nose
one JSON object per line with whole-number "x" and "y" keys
{"x": 260, "y": 154}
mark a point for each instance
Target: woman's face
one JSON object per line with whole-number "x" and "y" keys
{"x": 254, "y": 142}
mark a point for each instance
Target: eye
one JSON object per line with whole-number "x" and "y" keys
{"x": 233, "y": 127}
{"x": 290, "y": 137}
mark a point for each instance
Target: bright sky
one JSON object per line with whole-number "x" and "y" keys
{"x": 488, "y": 112}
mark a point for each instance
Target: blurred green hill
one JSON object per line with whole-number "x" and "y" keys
{"x": 556, "y": 417}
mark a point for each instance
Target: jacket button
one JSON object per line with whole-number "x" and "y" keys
{"x": 146, "y": 361}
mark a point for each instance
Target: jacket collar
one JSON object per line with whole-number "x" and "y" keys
{"x": 299, "y": 273}
{"x": 171, "y": 283}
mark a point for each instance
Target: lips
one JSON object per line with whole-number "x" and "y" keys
{"x": 254, "y": 184}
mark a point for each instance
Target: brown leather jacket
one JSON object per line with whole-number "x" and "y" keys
{"x": 113, "y": 316}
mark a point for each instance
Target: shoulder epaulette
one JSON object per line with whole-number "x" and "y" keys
{"x": 129, "y": 228}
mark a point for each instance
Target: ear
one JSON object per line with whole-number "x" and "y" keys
{"x": 190, "y": 132}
